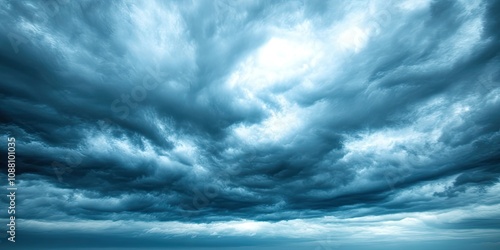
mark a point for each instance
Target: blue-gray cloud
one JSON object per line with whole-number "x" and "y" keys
{"x": 255, "y": 113}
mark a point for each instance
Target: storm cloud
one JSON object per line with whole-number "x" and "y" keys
{"x": 281, "y": 124}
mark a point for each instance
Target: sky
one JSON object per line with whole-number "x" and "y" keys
{"x": 252, "y": 124}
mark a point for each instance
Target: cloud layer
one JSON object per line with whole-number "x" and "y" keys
{"x": 268, "y": 120}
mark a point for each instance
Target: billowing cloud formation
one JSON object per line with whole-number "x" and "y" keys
{"x": 273, "y": 121}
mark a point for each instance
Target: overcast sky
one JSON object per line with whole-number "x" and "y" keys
{"x": 253, "y": 124}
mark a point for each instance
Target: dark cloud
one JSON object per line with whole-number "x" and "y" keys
{"x": 253, "y": 115}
